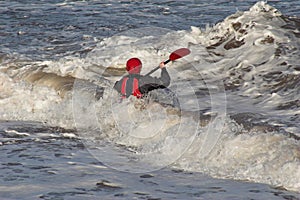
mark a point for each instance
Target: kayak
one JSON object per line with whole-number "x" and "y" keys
{"x": 165, "y": 97}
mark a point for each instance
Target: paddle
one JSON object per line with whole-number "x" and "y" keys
{"x": 179, "y": 53}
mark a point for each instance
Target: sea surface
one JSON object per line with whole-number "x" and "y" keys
{"x": 226, "y": 128}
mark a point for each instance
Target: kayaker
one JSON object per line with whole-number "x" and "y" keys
{"x": 138, "y": 85}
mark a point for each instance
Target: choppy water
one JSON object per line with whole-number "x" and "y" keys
{"x": 47, "y": 164}
{"x": 65, "y": 135}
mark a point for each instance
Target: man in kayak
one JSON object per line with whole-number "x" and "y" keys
{"x": 139, "y": 85}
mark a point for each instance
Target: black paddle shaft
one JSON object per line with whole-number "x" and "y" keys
{"x": 156, "y": 68}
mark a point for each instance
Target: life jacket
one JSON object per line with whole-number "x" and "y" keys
{"x": 130, "y": 86}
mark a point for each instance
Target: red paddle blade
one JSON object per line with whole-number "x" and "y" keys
{"x": 179, "y": 53}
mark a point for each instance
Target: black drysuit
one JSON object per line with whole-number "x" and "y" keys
{"x": 144, "y": 83}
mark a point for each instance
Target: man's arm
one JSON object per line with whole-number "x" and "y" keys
{"x": 118, "y": 86}
{"x": 149, "y": 83}
{"x": 164, "y": 75}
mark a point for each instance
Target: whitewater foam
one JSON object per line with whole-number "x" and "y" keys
{"x": 251, "y": 53}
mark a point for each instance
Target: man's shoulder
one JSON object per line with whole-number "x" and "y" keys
{"x": 145, "y": 78}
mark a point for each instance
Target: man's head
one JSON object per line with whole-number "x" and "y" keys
{"x": 134, "y": 66}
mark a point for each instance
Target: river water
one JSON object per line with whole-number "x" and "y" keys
{"x": 233, "y": 133}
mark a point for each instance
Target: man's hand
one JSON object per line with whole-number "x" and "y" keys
{"x": 162, "y": 65}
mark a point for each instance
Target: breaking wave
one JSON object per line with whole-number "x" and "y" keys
{"x": 246, "y": 67}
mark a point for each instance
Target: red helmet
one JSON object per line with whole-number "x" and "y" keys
{"x": 134, "y": 66}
